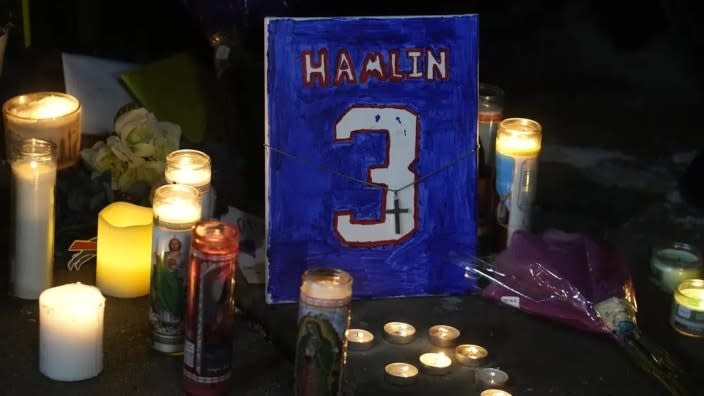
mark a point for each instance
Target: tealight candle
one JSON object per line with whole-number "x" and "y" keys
{"x": 399, "y": 332}
{"x": 688, "y": 308}
{"x": 71, "y": 332}
{"x": 675, "y": 263}
{"x": 123, "y": 251}
{"x": 435, "y": 363}
{"x": 401, "y": 373}
{"x": 192, "y": 168}
{"x": 443, "y": 335}
{"x": 359, "y": 339}
{"x": 51, "y": 116}
{"x": 470, "y": 355}
{"x": 494, "y": 392}
{"x": 491, "y": 378}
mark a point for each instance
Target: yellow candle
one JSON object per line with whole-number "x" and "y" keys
{"x": 124, "y": 245}
{"x": 51, "y": 116}
{"x": 71, "y": 332}
{"x": 519, "y": 137}
{"x": 688, "y": 308}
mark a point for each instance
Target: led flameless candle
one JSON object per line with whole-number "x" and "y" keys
{"x": 71, "y": 332}
{"x": 192, "y": 168}
{"x": 359, "y": 339}
{"x": 688, "y": 308}
{"x": 33, "y": 164}
{"x": 51, "y": 116}
{"x": 435, "y": 363}
{"x": 401, "y": 373}
{"x": 488, "y": 378}
{"x": 399, "y": 332}
{"x": 443, "y": 335}
{"x": 124, "y": 246}
{"x": 675, "y": 263}
{"x": 470, "y": 355}
{"x": 518, "y": 144}
{"x": 494, "y": 392}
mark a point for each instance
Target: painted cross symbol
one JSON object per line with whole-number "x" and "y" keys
{"x": 396, "y": 211}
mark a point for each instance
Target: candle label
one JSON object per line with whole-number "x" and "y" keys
{"x": 211, "y": 308}
{"x": 515, "y": 178}
{"x": 321, "y": 345}
{"x": 168, "y": 286}
{"x": 687, "y": 320}
{"x": 488, "y": 125}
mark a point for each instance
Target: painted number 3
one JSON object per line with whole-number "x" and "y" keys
{"x": 398, "y": 215}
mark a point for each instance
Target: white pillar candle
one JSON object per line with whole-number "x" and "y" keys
{"x": 192, "y": 168}
{"x": 71, "y": 332}
{"x": 33, "y": 166}
{"x": 51, "y": 116}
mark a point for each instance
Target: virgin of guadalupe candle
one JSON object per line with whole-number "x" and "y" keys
{"x": 210, "y": 309}
{"x": 323, "y": 318}
{"x": 176, "y": 210}
{"x": 33, "y": 164}
{"x": 518, "y": 144}
{"x": 192, "y": 167}
{"x": 71, "y": 332}
{"x": 51, "y": 116}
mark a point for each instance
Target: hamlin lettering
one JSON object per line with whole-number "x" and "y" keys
{"x": 320, "y": 70}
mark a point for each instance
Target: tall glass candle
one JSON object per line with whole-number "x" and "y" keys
{"x": 51, "y": 116}
{"x": 33, "y": 164}
{"x": 176, "y": 210}
{"x": 124, "y": 250}
{"x": 210, "y": 309}
{"x": 192, "y": 167}
{"x": 71, "y": 332}
{"x": 489, "y": 115}
{"x": 518, "y": 144}
{"x": 323, "y": 318}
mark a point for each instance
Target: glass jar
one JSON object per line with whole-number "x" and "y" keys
{"x": 192, "y": 167}
{"x": 687, "y": 315}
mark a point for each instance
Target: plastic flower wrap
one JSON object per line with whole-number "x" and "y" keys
{"x": 572, "y": 279}
{"x": 135, "y": 156}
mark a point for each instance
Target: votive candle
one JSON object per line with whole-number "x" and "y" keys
{"x": 401, "y": 373}
{"x": 443, "y": 335}
{"x": 399, "y": 332}
{"x": 435, "y": 363}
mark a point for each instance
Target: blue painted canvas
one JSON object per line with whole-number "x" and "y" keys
{"x": 371, "y": 152}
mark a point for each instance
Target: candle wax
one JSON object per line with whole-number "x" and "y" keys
{"x": 177, "y": 211}
{"x": 34, "y": 227}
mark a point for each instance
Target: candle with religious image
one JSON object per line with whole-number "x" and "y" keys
{"x": 518, "y": 144}
{"x": 192, "y": 167}
{"x": 210, "y": 309}
{"x": 176, "y": 210}
{"x": 323, "y": 318}
{"x": 33, "y": 164}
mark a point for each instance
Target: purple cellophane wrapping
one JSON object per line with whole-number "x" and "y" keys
{"x": 560, "y": 276}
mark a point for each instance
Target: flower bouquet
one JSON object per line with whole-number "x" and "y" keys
{"x": 571, "y": 279}
{"x": 135, "y": 156}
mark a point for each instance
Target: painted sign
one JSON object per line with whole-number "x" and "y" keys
{"x": 371, "y": 152}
